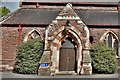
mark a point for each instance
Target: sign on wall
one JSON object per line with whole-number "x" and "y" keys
{"x": 44, "y": 65}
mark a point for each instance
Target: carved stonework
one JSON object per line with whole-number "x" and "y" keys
{"x": 68, "y": 25}
{"x": 51, "y": 28}
{"x": 68, "y": 13}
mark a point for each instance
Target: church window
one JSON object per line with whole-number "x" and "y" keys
{"x": 111, "y": 41}
{"x": 33, "y": 35}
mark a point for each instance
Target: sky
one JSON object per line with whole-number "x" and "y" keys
{"x": 14, "y": 4}
{"x": 11, "y": 4}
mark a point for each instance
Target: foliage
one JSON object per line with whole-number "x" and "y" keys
{"x": 4, "y": 11}
{"x": 28, "y": 56}
{"x": 103, "y": 59}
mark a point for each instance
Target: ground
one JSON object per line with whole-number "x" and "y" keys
{"x": 13, "y": 76}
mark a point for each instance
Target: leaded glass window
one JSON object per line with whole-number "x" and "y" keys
{"x": 111, "y": 41}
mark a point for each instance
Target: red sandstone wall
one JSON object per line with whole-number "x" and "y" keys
{"x": 26, "y": 30}
{"x": 9, "y": 35}
{"x": 98, "y": 32}
{"x": 9, "y": 43}
{"x": 8, "y": 39}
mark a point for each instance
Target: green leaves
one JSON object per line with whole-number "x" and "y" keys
{"x": 103, "y": 58}
{"x": 28, "y": 56}
{"x": 4, "y": 11}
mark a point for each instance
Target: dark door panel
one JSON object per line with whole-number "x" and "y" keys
{"x": 67, "y": 59}
{"x": 71, "y": 59}
{"x": 67, "y": 56}
{"x": 63, "y": 60}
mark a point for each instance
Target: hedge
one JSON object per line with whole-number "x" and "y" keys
{"x": 103, "y": 59}
{"x": 28, "y": 56}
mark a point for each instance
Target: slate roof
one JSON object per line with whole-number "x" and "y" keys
{"x": 45, "y": 17}
{"x": 98, "y": 17}
{"x": 33, "y": 16}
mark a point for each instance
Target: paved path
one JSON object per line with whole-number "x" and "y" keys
{"x": 14, "y": 75}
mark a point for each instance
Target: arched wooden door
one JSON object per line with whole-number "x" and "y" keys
{"x": 67, "y": 56}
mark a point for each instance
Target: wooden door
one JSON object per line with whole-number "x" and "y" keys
{"x": 67, "y": 56}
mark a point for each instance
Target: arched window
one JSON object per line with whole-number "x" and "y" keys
{"x": 33, "y": 34}
{"x": 111, "y": 40}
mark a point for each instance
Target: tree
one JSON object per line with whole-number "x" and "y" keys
{"x": 103, "y": 59}
{"x": 4, "y": 11}
{"x": 28, "y": 56}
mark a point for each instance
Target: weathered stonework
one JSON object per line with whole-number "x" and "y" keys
{"x": 57, "y": 32}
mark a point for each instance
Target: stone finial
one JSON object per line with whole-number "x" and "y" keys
{"x": 20, "y": 3}
{"x": 69, "y": 5}
{"x": 37, "y": 5}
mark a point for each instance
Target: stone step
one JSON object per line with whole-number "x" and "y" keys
{"x": 66, "y": 73}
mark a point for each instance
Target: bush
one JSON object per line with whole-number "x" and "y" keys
{"x": 103, "y": 59}
{"x": 28, "y": 56}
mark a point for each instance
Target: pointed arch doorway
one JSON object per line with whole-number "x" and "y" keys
{"x": 67, "y": 56}
{"x": 64, "y": 55}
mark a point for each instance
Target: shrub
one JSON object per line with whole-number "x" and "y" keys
{"x": 28, "y": 56}
{"x": 103, "y": 59}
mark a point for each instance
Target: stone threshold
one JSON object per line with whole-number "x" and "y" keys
{"x": 66, "y": 73}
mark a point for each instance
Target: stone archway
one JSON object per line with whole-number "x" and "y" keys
{"x": 67, "y": 25}
{"x": 75, "y": 57}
